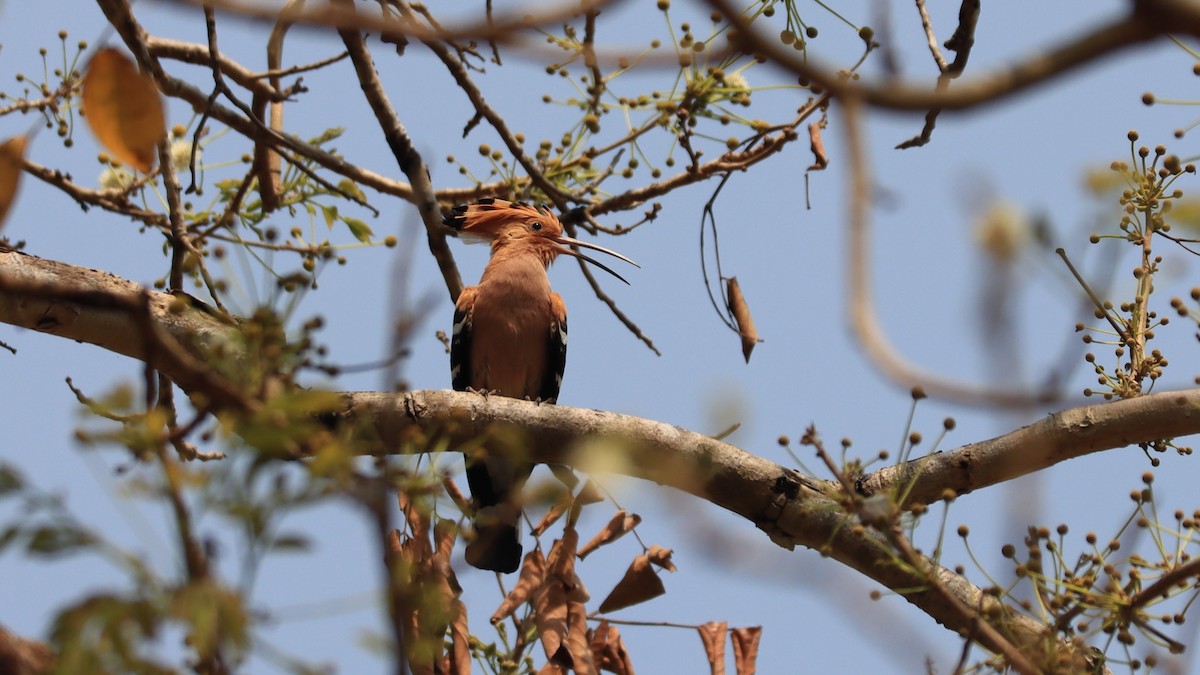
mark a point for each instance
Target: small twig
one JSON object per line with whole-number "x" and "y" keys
{"x": 927, "y": 24}
{"x": 612, "y": 306}
{"x": 1121, "y": 331}
{"x": 406, "y": 155}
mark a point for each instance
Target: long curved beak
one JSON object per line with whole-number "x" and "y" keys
{"x": 566, "y": 242}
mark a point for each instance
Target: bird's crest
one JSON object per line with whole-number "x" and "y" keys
{"x": 477, "y": 221}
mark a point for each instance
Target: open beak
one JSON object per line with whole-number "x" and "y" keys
{"x": 566, "y": 242}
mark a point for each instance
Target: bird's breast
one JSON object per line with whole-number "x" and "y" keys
{"x": 511, "y": 324}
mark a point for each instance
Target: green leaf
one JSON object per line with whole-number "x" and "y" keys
{"x": 53, "y": 541}
{"x": 331, "y": 215}
{"x": 351, "y": 188}
{"x": 359, "y": 229}
{"x": 10, "y": 479}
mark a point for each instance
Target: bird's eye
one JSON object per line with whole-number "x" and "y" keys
{"x": 536, "y": 226}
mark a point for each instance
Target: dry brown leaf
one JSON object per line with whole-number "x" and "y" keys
{"x": 460, "y": 641}
{"x": 590, "y": 494}
{"x": 662, "y": 557}
{"x": 460, "y": 500}
{"x": 712, "y": 634}
{"x": 741, "y": 316}
{"x": 552, "y": 668}
{"x": 551, "y": 517}
{"x": 550, "y": 615}
{"x": 820, "y": 159}
{"x": 12, "y": 151}
{"x": 577, "y": 639}
{"x": 123, "y": 108}
{"x": 445, "y": 532}
{"x": 639, "y": 584}
{"x": 561, "y": 561}
{"x": 533, "y": 573}
{"x": 620, "y": 524}
{"x": 608, "y": 650}
{"x": 745, "y": 649}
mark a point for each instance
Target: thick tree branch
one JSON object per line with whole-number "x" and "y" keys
{"x": 1064, "y": 435}
{"x": 792, "y": 509}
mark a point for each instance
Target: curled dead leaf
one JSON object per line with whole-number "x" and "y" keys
{"x": 820, "y": 159}
{"x": 712, "y": 634}
{"x": 745, "y": 649}
{"x": 12, "y": 151}
{"x": 460, "y": 641}
{"x": 590, "y": 494}
{"x": 456, "y": 495}
{"x": 552, "y": 516}
{"x": 662, "y": 557}
{"x": 123, "y": 108}
{"x": 741, "y": 316}
{"x": 639, "y": 584}
{"x": 619, "y": 525}
{"x": 578, "y": 643}
{"x": 608, "y": 650}
{"x": 533, "y": 572}
{"x": 550, "y": 616}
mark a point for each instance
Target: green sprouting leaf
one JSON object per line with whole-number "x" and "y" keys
{"x": 329, "y": 135}
{"x": 10, "y": 479}
{"x": 53, "y": 541}
{"x": 359, "y": 229}
{"x": 351, "y": 188}
{"x": 331, "y": 215}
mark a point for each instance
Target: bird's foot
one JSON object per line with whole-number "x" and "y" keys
{"x": 485, "y": 393}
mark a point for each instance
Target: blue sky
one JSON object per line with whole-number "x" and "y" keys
{"x": 1032, "y": 150}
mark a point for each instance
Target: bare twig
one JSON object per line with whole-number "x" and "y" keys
{"x": 406, "y": 156}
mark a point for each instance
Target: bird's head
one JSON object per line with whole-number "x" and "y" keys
{"x": 521, "y": 226}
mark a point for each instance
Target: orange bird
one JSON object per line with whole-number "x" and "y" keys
{"x": 510, "y": 338}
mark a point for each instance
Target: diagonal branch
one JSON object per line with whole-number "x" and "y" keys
{"x": 792, "y": 509}
{"x": 406, "y": 155}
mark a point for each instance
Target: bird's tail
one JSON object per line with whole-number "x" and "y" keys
{"x": 495, "y": 486}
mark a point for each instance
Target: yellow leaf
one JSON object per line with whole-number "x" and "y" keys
{"x": 123, "y": 108}
{"x": 11, "y": 153}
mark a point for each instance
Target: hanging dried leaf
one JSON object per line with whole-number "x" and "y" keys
{"x": 533, "y": 573}
{"x": 578, "y": 643}
{"x": 712, "y": 634}
{"x": 590, "y": 494}
{"x": 553, "y": 602}
{"x": 445, "y": 533}
{"x": 550, "y": 616}
{"x": 552, "y": 515}
{"x": 745, "y": 649}
{"x": 123, "y": 108}
{"x": 12, "y": 151}
{"x": 639, "y": 584}
{"x": 662, "y": 557}
{"x": 456, "y": 495}
{"x": 620, "y": 524}
{"x": 608, "y": 650}
{"x": 460, "y": 641}
{"x": 741, "y": 316}
{"x": 820, "y": 159}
